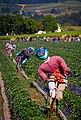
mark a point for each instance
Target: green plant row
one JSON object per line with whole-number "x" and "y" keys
{"x": 71, "y": 100}
{"x": 20, "y": 104}
{"x": 55, "y": 34}
{"x": 71, "y": 52}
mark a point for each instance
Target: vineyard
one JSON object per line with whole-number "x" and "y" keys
{"x": 22, "y": 104}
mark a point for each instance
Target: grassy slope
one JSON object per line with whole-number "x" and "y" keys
{"x": 46, "y": 8}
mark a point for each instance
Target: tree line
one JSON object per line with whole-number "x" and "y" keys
{"x": 26, "y": 25}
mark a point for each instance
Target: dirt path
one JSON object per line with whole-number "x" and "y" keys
{"x": 39, "y": 100}
{"x": 1, "y": 107}
{"x": 36, "y": 96}
{"x": 5, "y": 101}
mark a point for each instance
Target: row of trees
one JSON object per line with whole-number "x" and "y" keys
{"x": 26, "y": 25}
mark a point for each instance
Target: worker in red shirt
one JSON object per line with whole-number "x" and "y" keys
{"x": 58, "y": 69}
{"x": 58, "y": 37}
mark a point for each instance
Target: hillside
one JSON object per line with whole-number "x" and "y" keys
{"x": 64, "y": 11}
{"x": 55, "y": 9}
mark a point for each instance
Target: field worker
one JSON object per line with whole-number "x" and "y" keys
{"x": 23, "y": 56}
{"x": 56, "y": 66}
{"x": 77, "y": 39}
{"x": 9, "y": 48}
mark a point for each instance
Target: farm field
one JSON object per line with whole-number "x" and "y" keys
{"x": 67, "y": 7}
{"x": 66, "y": 4}
{"x": 46, "y": 8}
{"x": 19, "y": 90}
{"x": 76, "y": 32}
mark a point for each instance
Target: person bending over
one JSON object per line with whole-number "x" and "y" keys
{"x": 58, "y": 69}
{"x": 23, "y": 56}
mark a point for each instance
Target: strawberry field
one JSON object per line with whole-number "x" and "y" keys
{"x": 17, "y": 88}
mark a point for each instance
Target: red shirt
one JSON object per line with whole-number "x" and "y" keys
{"x": 53, "y": 64}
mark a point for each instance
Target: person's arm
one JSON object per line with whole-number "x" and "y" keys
{"x": 25, "y": 60}
{"x": 18, "y": 53}
{"x": 63, "y": 65}
{"x": 42, "y": 74}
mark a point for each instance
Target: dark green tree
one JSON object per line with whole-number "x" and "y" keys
{"x": 49, "y": 23}
{"x": 18, "y": 24}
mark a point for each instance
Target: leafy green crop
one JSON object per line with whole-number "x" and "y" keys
{"x": 20, "y": 104}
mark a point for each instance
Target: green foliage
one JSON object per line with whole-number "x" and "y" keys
{"x": 18, "y": 24}
{"x": 49, "y": 34}
{"x": 71, "y": 99}
{"x": 70, "y": 51}
{"x": 49, "y": 23}
{"x": 20, "y": 103}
